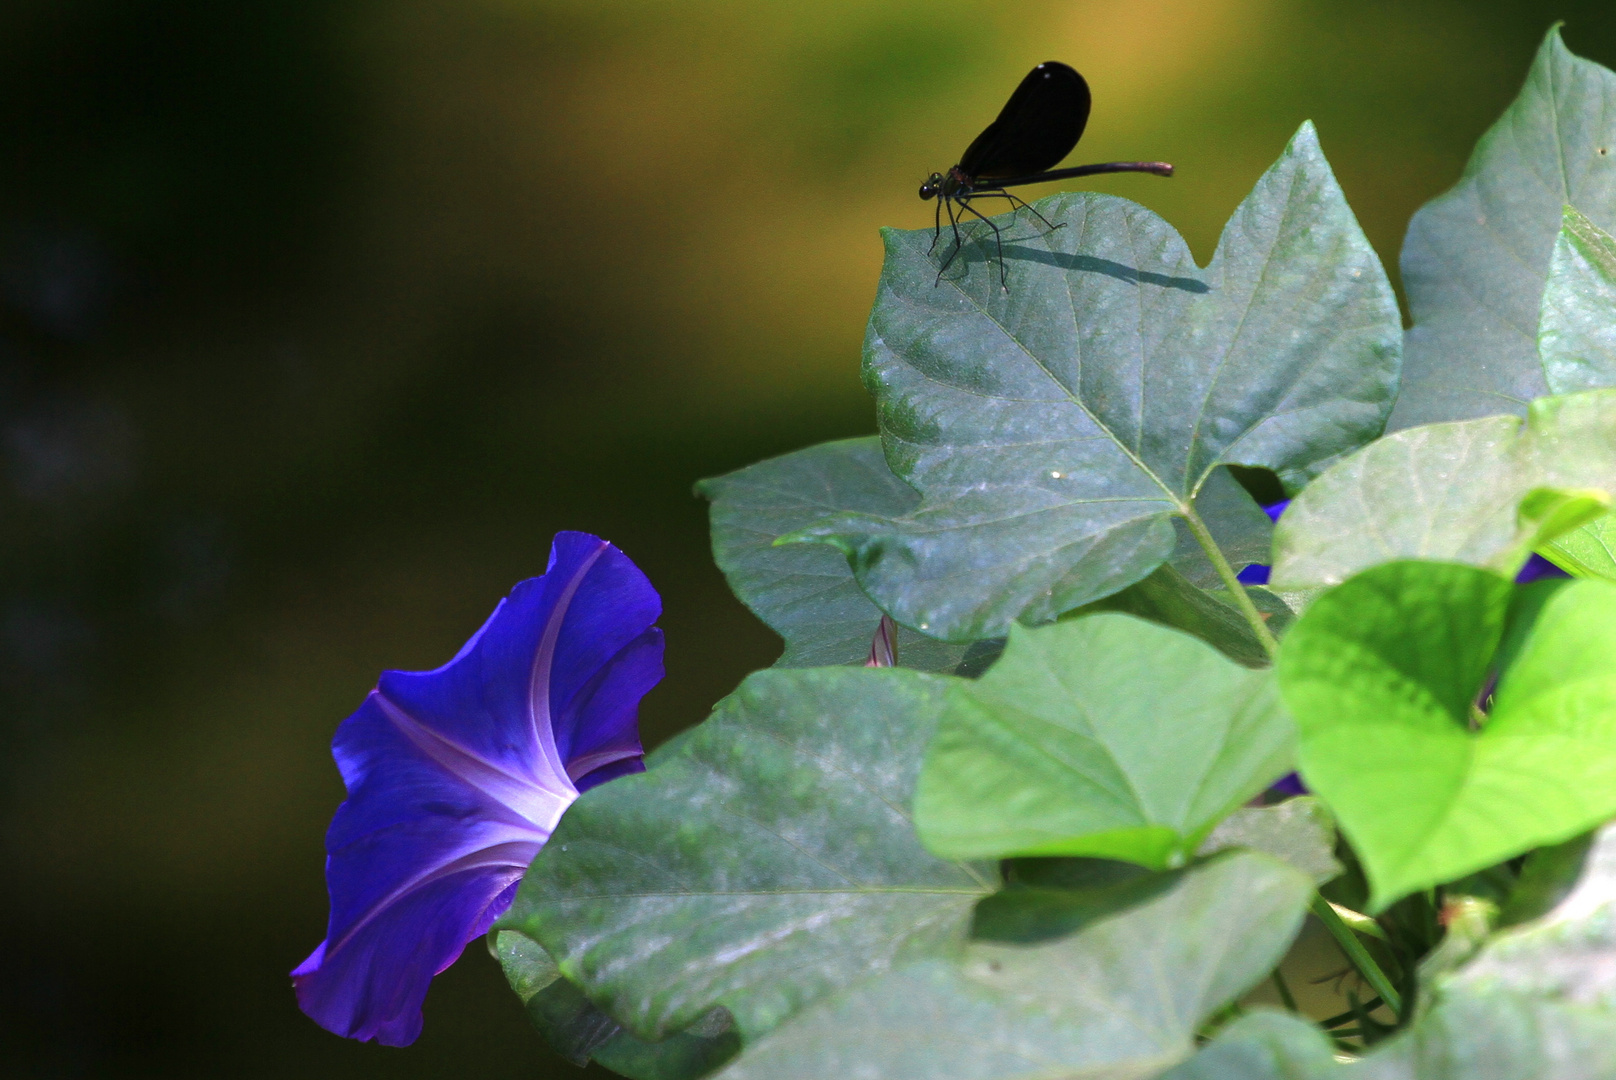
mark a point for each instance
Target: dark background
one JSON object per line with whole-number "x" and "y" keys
{"x": 318, "y": 319}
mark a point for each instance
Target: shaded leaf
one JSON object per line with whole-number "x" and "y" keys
{"x": 1381, "y": 675}
{"x": 764, "y": 859}
{"x": 1165, "y": 596}
{"x": 1477, "y": 257}
{"x": 579, "y": 1031}
{"x": 806, "y": 593}
{"x": 1484, "y": 492}
{"x": 1105, "y": 736}
{"x": 1120, "y": 998}
{"x": 1062, "y": 903}
{"x": 1054, "y": 430}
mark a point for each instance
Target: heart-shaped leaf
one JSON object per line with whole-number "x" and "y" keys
{"x": 806, "y": 593}
{"x": 764, "y": 858}
{"x": 1477, "y": 257}
{"x": 1576, "y": 336}
{"x": 1054, "y": 430}
{"x": 1118, "y": 1000}
{"x": 1106, "y": 736}
{"x": 1382, "y": 675}
{"x": 1484, "y": 492}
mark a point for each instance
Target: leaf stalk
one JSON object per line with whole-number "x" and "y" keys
{"x": 1237, "y": 591}
{"x": 1356, "y": 954}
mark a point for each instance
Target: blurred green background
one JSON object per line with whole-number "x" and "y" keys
{"x": 318, "y": 319}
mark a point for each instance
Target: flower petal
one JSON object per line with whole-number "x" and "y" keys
{"x": 456, "y": 777}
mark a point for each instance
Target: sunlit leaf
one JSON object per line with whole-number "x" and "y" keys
{"x": 1477, "y": 257}
{"x": 1121, "y": 998}
{"x": 1054, "y": 430}
{"x": 1576, "y": 337}
{"x": 1484, "y": 492}
{"x": 1105, "y": 736}
{"x": 764, "y": 859}
{"x": 1382, "y": 676}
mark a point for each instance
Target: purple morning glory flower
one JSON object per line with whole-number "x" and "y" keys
{"x": 457, "y": 777}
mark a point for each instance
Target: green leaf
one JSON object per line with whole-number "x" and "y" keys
{"x": 1244, "y": 533}
{"x": 1121, "y": 998}
{"x": 1586, "y": 552}
{"x": 1381, "y": 675}
{"x": 1050, "y": 898}
{"x": 1477, "y": 257}
{"x": 1576, "y": 335}
{"x": 1054, "y": 430}
{"x": 1483, "y": 492}
{"x": 764, "y": 859}
{"x": 1298, "y": 831}
{"x": 1106, "y": 736}
{"x": 1165, "y": 596}
{"x": 1537, "y": 1003}
{"x": 1263, "y": 1045}
{"x": 806, "y": 593}
{"x": 579, "y": 1031}
{"x": 1569, "y": 954}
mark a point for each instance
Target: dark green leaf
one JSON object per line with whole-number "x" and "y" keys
{"x": 764, "y": 859}
{"x": 1382, "y": 674}
{"x": 1477, "y": 258}
{"x": 579, "y": 1031}
{"x": 1054, "y": 430}
{"x": 806, "y": 593}
{"x": 1105, "y": 735}
{"x": 1029, "y": 914}
{"x": 1165, "y": 596}
{"x": 1121, "y": 998}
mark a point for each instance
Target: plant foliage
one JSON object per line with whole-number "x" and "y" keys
{"x": 1067, "y": 844}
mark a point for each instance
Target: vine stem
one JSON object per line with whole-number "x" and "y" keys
{"x": 1237, "y": 591}
{"x": 1357, "y": 954}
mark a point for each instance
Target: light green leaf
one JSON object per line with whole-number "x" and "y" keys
{"x": 764, "y": 859}
{"x": 1121, "y": 998}
{"x": 1477, "y": 257}
{"x": 806, "y": 593}
{"x": 1586, "y": 552}
{"x": 1298, "y": 831}
{"x": 1483, "y": 492}
{"x": 1576, "y": 335}
{"x": 1381, "y": 675}
{"x": 1263, "y": 1045}
{"x": 1105, "y": 736}
{"x": 1537, "y": 1003}
{"x": 1054, "y": 430}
